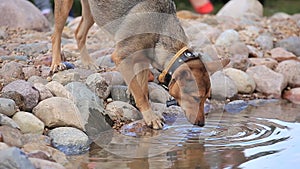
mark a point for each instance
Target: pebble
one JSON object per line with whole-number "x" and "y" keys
{"x": 11, "y": 71}
{"x": 66, "y": 76}
{"x": 6, "y": 121}
{"x": 291, "y": 70}
{"x": 239, "y": 56}
{"x": 291, "y": 44}
{"x": 222, "y": 86}
{"x": 227, "y": 38}
{"x": 58, "y": 90}
{"x": 120, "y": 93}
{"x": 7, "y": 107}
{"x": 70, "y": 141}
{"x": 281, "y": 54}
{"x": 268, "y": 62}
{"x": 265, "y": 41}
{"x": 118, "y": 110}
{"x": 45, "y": 93}
{"x": 37, "y": 79}
{"x": 29, "y": 123}
{"x": 99, "y": 85}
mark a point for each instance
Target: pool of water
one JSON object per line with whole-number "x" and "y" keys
{"x": 266, "y": 136}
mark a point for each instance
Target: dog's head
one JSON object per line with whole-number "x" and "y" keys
{"x": 190, "y": 86}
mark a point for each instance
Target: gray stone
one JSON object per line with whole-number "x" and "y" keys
{"x": 59, "y": 90}
{"x": 118, "y": 110}
{"x": 14, "y": 158}
{"x": 120, "y": 93}
{"x": 240, "y": 8}
{"x": 222, "y": 87}
{"x": 267, "y": 81}
{"x": 29, "y": 123}
{"x": 70, "y": 140}
{"x": 243, "y": 82}
{"x": 228, "y": 38}
{"x": 105, "y": 61}
{"x": 98, "y": 85}
{"x": 45, "y": 93}
{"x": 11, "y": 136}
{"x": 59, "y": 111}
{"x": 239, "y": 56}
{"x": 26, "y": 90}
{"x": 30, "y": 71}
{"x": 40, "y": 163}
{"x": 11, "y": 71}
{"x": 157, "y": 93}
{"x": 291, "y": 70}
{"x": 7, "y": 107}
{"x": 66, "y": 76}
{"x": 37, "y": 79}
{"x": 269, "y": 62}
{"x": 14, "y": 11}
{"x": 291, "y": 44}
{"x": 114, "y": 78}
{"x": 236, "y": 106}
{"x": 33, "y": 49}
{"x": 265, "y": 41}
{"x": 6, "y": 121}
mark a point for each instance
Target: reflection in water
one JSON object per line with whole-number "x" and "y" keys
{"x": 259, "y": 137}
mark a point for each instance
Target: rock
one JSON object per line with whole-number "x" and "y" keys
{"x": 118, "y": 110}
{"x": 157, "y": 93}
{"x": 265, "y": 41}
{"x": 280, "y": 16}
{"x": 7, "y": 107}
{"x": 55, "y": 154}
{"x": 3, "y": 146}
{"x": 26, "y": 90}
{"x": 70, "y": 141}
{"x": 254, "y": 52}
{"x": 29, "y": 123}
{"x": 33, "y": 49}
{"x": 291, "y": 44}
{"x": 236, "y": 106}
{"x": 291, "y": 70}
{"x": 14, "y": 11}
{"x": 244, "y": 83}
{"x": 66, "y": 76}
{"x": 17, "y": 97}
{"x": 98, "y": 85}
{"x": 120, "y": 93}
{"x": 59, "y": 90}
{"x": 91, "y": 109}
{"x": 281, "y": 54}
{"x": 43, "y": 90}
{"x": 6, "y": 121}
{"x": 11, "y": 71}
{"x": 268, "y": 62}
{"x": 239, "y": 56}
{"x": 114, "y": 78}
{"x": 36, "y": 139}
{"x": 30, "y": 71}
{"x": 240, "y": 8}
{"x": 59, "y": 111}
{"x": 37, "y": 79}
{"x": 222, "y": 86}
{"x": 227, "y": 38}
{"x": 105, "y": 62}
{"x": 267, "y": 81}
{"x": 14, "y": 158}
{"x": 170, "y": 114}
{"x": 40, "y": 163}
{"x": 11, "y": 136}
{"x": 292, "y": 95}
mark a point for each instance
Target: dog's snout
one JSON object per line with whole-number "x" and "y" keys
{"x": 200, "y": 124}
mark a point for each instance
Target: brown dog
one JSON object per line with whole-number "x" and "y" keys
{"x": 146, "y": 32}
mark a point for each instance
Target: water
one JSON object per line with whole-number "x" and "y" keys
{"x": 266, "y": 136}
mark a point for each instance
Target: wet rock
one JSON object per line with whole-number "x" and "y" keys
{"x": 105, "y": 61}
{"x": 37, "y": 79}
{"x": 14, "y": 158}
{"x": 11, "y": 71}
{"x": 57, "y": 112}
{"x": 228, "y": 38}
{"x": 244, "y": 83}
{"x": 265, "y": 41}
{"x": 26, "y": 89}
{"x": 43, "y": 90}
{"x": 59, "y": 90}
{"x": 281, "y": 54}
{"x": 98, "y": 85}
{"x": 261, "y": 102}
{"x": 114, "y": 78}
{"x": 118, "y": 110}
{"x": 267, "y": 81}
{"x": 291, "y": 44}
{"x": 120, "y": 93}
{"x": 6, "y": 121}
{"x": 222, "y": 86}
{"x": 11, "y": 136}
{"x": 169, "y": 114}
{"x": 291, "y": 70}
{"x": 29, "y": 123}
{"x": 268, "y": 62}
{"x": 67, "y": 76}
{"x": 292, "y": 95}
{"x": 51, "y": 152}
{"x": 157, "y": 93}
{"x": 240, "y": 8}
{"x": 14, "y": 15}
{"x": 70, "y": 141}
{"x": 239, "y": 56}
{"x": 33, "y": 49}
{"x": 40, "y": 163}
{"x": 7, "y": 107}
{"x": 236, "y": 106}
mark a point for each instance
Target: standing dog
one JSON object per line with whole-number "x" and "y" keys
{"x": 146, "y": 32}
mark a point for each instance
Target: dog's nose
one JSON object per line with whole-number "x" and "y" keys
{"x": 200, "y": 124}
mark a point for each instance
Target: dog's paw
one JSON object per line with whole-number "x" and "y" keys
{"x": 153, "y": 120}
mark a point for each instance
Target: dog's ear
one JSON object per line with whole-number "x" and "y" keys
{"x": 216, "y": 65}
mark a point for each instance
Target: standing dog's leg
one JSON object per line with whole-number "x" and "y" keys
{"x": 81, "y": 32}
{"x": 61, "y": 12}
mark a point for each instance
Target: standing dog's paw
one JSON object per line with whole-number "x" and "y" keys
{"x": 153, "y": 120}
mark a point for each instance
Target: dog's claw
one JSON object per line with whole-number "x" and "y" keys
{"x": 153, "y": 120}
